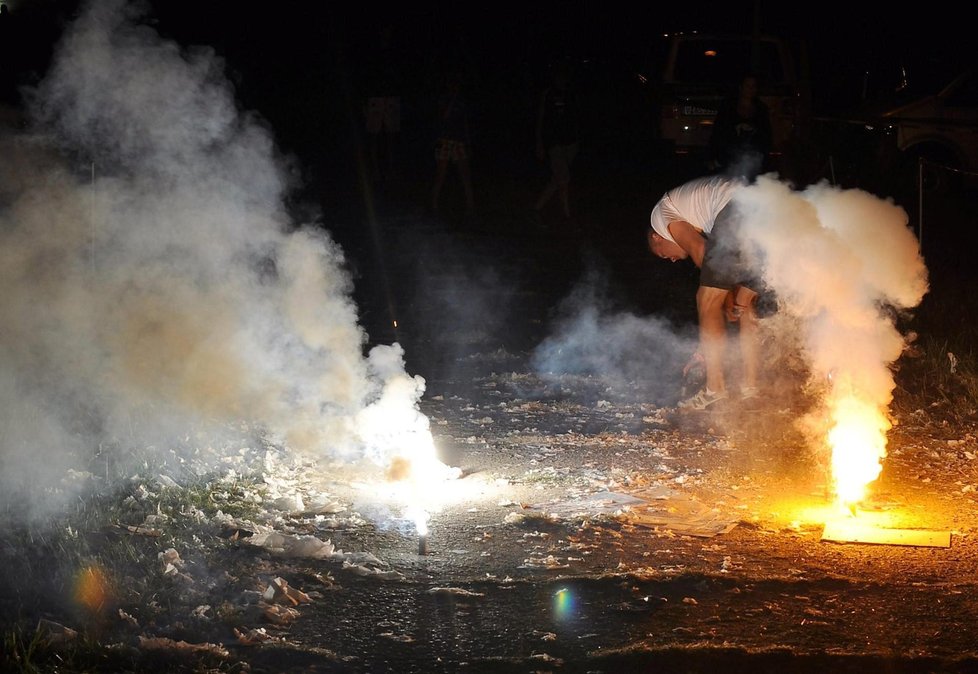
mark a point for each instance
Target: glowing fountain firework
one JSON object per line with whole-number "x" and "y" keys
{"x": 841, "y": 262}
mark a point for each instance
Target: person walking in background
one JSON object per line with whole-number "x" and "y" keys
{"x": 453, "y": 143}
{"x": 699, "y": 221}
{"x": 382, "y": 102}
{"x": 558, "y": 137}
{"x": 741, "y": 138}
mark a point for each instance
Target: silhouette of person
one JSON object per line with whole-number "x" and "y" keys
{"x": 741, "y": 137}
{"x": 454, "y": 141}
{"x": 8, "y": 57}
{"x": 382, "y": 102}
{"x": 558, "y": 136}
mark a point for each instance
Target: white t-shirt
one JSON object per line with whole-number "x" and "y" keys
{"x": 697, "y": 202}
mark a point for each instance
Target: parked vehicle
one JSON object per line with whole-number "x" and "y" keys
{"x": 701, "y": 70}
{"x": 919, "y": 136}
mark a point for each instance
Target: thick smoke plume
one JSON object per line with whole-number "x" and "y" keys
{"x": 156, "y": 292}
{"x": 841, "y": 262}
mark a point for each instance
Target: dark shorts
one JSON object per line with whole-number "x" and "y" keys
{"x": 725, "y": 263}
{"x": 448, "y": 149}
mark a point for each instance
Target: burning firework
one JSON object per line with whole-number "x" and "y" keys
{"x": 858, "y": 443}
{"x": 838, "y": 261}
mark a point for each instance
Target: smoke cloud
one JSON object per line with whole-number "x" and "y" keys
{"x": 155, "y": 287}
{"x": 843, "y": 263}
{"x": 590, "y": 336}
{"x": 838, "y": 260}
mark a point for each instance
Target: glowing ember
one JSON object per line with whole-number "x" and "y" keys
{"x": 858, "y": 442}
{"x": 419, "y": 478}
{"x": 92, "y": 588}
{"x": 421, "y": 522}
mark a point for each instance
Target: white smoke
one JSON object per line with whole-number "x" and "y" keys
{"x": 842, "y": 262}
{"x": 644, "y": 354}
{"x": 154, "y": 284}
{"x": 837, "y": 259}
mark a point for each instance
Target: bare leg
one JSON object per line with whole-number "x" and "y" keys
{"x": 441, "y": 167}
{"x": 465, "y": 174}
{"x": 391, "y": 148}
{"x": 564, "y": 190}
{"x": 713, "y": 332}
{"x": 749, "y": 346}
{"x": 568, "y": 159}
{"x": 373, "y": 143}
{"x": 548, "y": 192}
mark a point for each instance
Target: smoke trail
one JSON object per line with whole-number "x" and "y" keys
{"x": 592, "y": 338}
{"x": 155, "y": 288}
{"x": 841, "y": 261}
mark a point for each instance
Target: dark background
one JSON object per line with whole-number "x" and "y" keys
{"x": 301, "y": 66}
{"x": 299, "y": 63}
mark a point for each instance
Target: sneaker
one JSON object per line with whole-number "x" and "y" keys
{"x": 703, "y": 400}
{"x": 749, "y": 392}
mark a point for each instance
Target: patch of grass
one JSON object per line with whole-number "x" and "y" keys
{"x": 89, "y": 569}
{"x": 20, "y": 651}
{"x": 941, "y": 377}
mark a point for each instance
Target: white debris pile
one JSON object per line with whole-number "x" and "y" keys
{"x": 164, "y": 644}
{"x": 287, "y": 545}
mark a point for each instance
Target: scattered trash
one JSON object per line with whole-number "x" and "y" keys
{"x": 280, "y": 615}
{"x": 295, "y": 546}
{"x": 292, "y": 503}
{"x": 279, "y": 591}
{"x": 548, "y": 562}
{"x": 167, "y": 481}
{"x": 361, "y": 570}
{"x": 128, "y": 618}
{"x": 138, "y": 530}
{"x": 54, "y": 633}
{"x": 172, "y": 565}
{"x": 656, "y": 507}
{"x": 201, "y": 612}
{"x": 164, "y": 644}
{"x": 514, "y": 518}
{"x": 457, "y": 591}
{"x": 254, "y": 636}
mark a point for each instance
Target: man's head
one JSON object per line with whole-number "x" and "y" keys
{"x": 664, "y": 248}
{"x": 748, "y": 87}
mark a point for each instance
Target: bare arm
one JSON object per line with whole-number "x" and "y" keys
{"x": 689, "y": 239}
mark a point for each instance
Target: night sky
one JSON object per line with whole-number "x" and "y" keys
{"x": 296, "y": 41}
{"x": 299, "y": 64}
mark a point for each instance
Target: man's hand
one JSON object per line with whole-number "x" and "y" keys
{"x": 737, "y": 302}
{"x": 731, "y": 310}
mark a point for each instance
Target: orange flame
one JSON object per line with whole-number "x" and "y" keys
{"x": 92, "y": 588}
{"x": 858, "y": 442}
